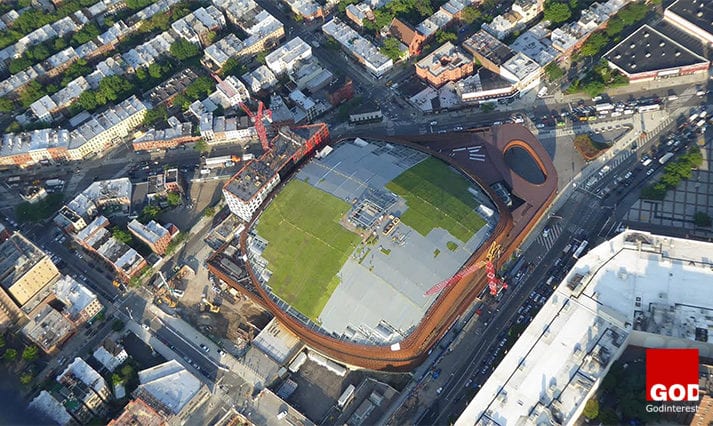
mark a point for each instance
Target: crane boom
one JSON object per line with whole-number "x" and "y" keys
{"x": 495, "y": 284}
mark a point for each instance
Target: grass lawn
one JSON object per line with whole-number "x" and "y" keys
{"x": 306, "y": 245}
{"x": 437, "y": 197}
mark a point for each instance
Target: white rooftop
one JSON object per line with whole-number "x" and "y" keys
{"x": 630, "y": 288}
{"x": 170, "y": 383}
{"x": 85, "y": 373}
{"x": 51, "y": 408}
{"x": 75, "y": 296}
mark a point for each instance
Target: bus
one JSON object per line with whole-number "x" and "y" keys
{"x": 580, "y": 249}
{"x": 665, "y": 157}
{"x": 603, "y": 108}
{"x": 650, "y": 107}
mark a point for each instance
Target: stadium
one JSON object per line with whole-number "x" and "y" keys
{"x": 345, "y": 250}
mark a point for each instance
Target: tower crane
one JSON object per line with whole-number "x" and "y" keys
{"x": 259, "y": 125}
{"x": 494, "y": 283}
{"x": 256, "y": 118}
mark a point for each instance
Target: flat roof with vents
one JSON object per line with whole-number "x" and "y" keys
{"x": 647, "y": 50}
{"x": 695, "y": 12}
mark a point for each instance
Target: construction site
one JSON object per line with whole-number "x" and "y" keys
{"x": 506, "y": 207}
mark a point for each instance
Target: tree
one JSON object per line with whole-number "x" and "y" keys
{"x": 10, "y": 355}
{"x": 183, "y": 49}
{"x": 117, "y": 325}
{"x": 6, "y": 105}
{"x": 487, "y": 107}
{"x": 127, "y": 370}
{"x": 87, "y": 100}
{"x": 260, "y": 57}
{"x": 26, "y": 378}
{"x": 141, "y": 73}
{"x": 173, "y": 199}
{"x": 31, "y": 92}
{"x": 702, "y": 219}
{"x": 155, "y": 71}
{"x": 209, "y": 212}
{"x": 201, "y": 146}
{"x": 19, "y": 64}
{"x": 594, "y": 44}
{"x": 160, "y": 113}
{"x": 614, "y": 26}
{"x": 121, "y": 235}
{"x": 470, "y": 14}
{"x": 149, "y": 213}
{"x": 554, "y": 72}
{"x": 557, "y": 12}
{"x": 2, "y": 341}
{"x": 233, "y": 67}
{"x": 391, "y": 48}
{"x": 591, "y": 409}
{"x": 30, "y": 353}
{"x": 445, "y": 36}
{"x": 210, "y": 37}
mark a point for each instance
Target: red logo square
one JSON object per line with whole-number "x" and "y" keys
{"x": 672, "y": 375}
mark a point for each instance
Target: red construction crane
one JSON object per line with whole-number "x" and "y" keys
{"x": 256, "y": 118}
{"x": 494, "y": 283}
{"x": 259, "y": 125}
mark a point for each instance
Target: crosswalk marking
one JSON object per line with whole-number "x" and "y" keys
{"x": 549, "y": 241}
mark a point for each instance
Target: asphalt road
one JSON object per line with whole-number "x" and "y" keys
{"x": 585, "y": 216}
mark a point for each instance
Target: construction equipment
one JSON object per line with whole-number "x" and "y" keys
{"x": 494, "y": 283}
{"x": 213, "y": 308}
{"x": 163, "y": 295}
{"x": 256, "y": 118}
{"x": 259, "y": 125}
{"x": 165, "y": 292}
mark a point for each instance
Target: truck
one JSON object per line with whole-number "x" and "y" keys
{"x": 54, "y": 182}
{"x": 665, "y": 157}
{"x": 580, "y": 249}
{"x": 604, "y": 108}
{"x": 222, "y": 161}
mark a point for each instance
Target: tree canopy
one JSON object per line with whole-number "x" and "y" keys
{"x": 391, "y": 48}
{"x": 183, "y": 49}
{"x": 556, "y": 12}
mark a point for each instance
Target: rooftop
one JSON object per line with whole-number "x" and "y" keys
{"x": 34, "y": 140}
{"x": 521, "y": 66}
{"x": 46, "y": 404}
{"x": 277, "y": 341}
{"x": 356, "y": 44}
{"x": 284, "y": 57}
{"x": 488, "y": 46}
{"x": 109, "y": 191}
{"x": 48, "y": 327}
{"x": 170, "y": 384}
{"x": 84, "y": 373}
{"x": 647, "y": 50}
{"x": 75, "y": 296}
{"x": 533, "y": 45}
{"x": 152, "y": 231}
{"x": 697, "y": 12}
{"x": 104, "y": 121}
{"x": 636, "y": 282}
{"x": 255, "y": 173}
{"x": 17, "y": 256}
{"x": 444, "y": 58}
{"x": 136, "y": 413}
